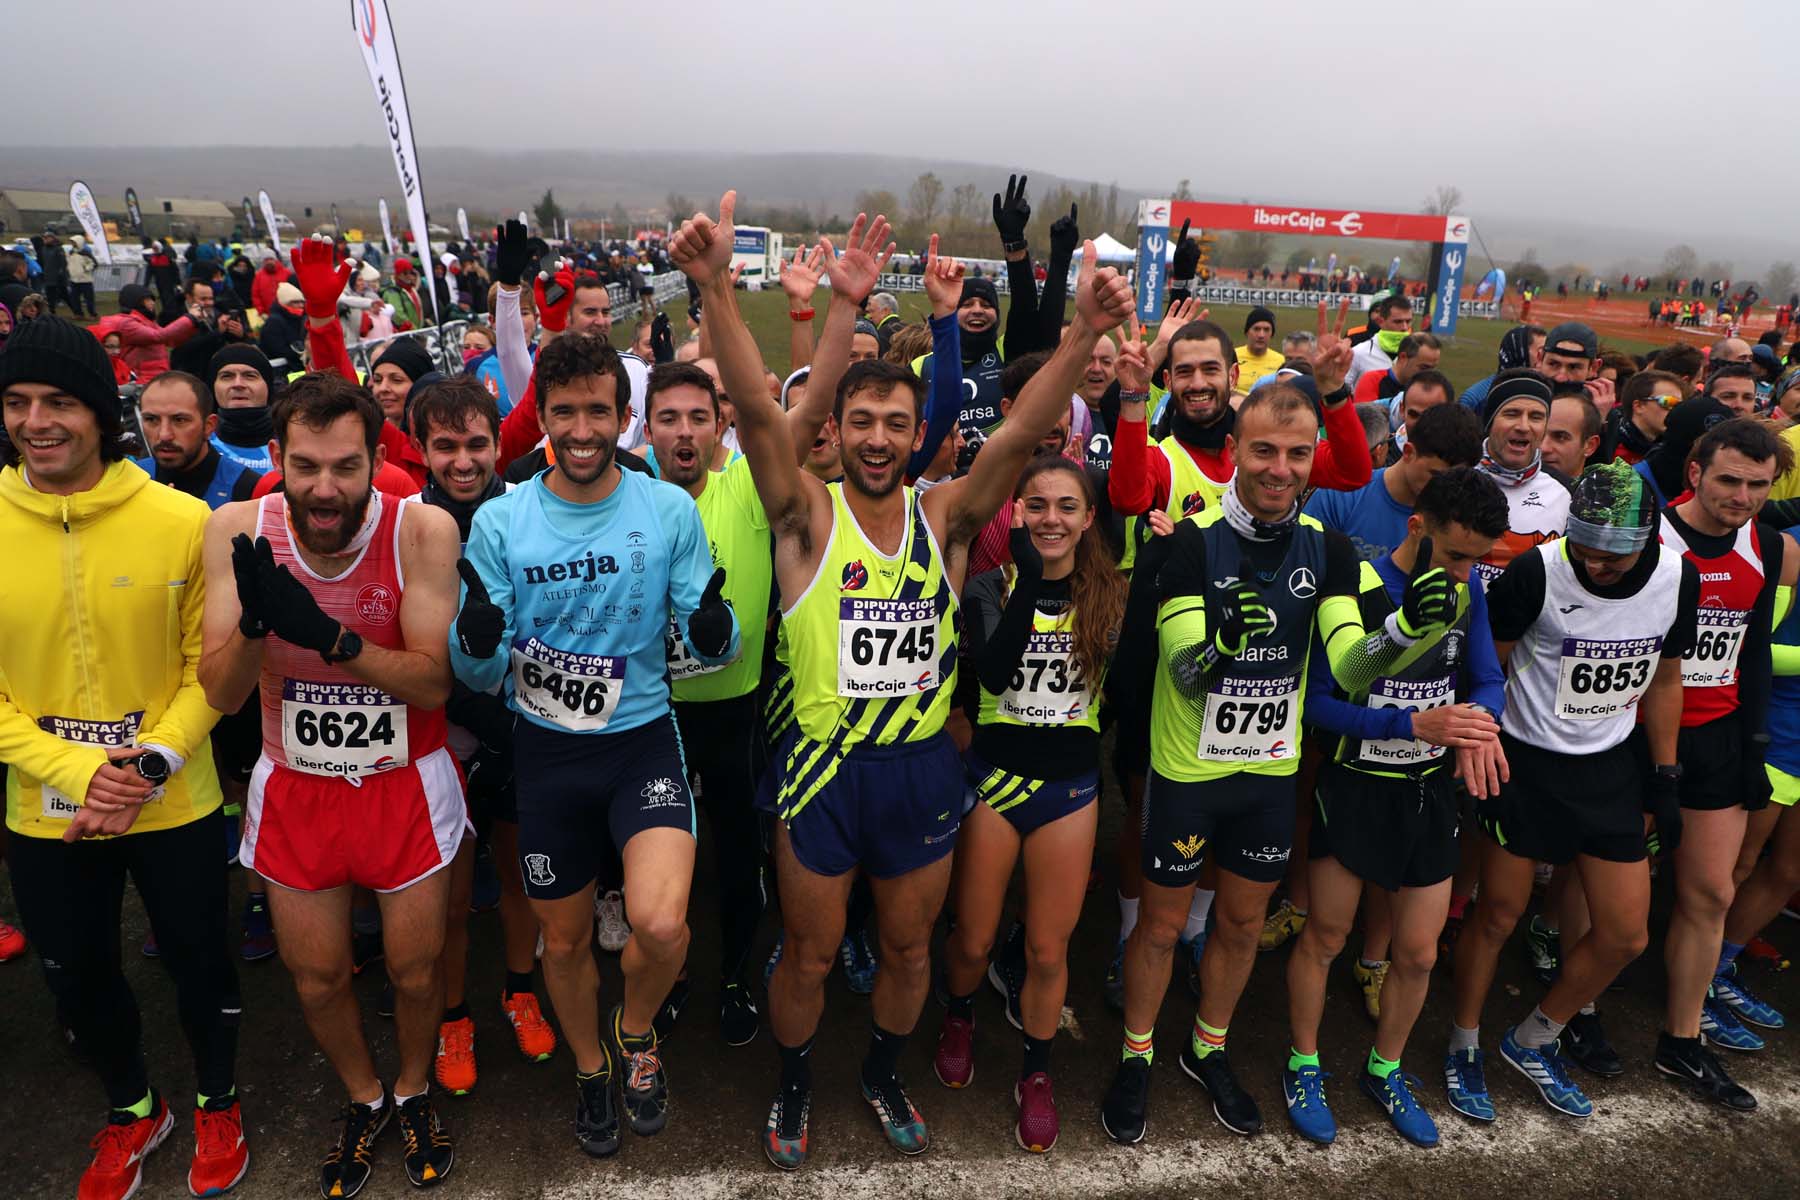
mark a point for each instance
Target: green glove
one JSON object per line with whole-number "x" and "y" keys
{"x": 1429, "y": 602}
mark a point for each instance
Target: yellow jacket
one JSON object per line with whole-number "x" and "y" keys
{"x": 100, "y": 601}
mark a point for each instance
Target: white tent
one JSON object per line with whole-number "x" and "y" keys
{"x": 1111, "y": 249}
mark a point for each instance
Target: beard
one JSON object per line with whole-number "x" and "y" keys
{"x": 351, "y": 514}
{"x": 583, "y": 473}
{"x": 684, "y": 475}
{"x": 858, "y": 475}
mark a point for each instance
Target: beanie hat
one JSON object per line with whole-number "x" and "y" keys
{"x": 403, "y": 263}
{"x": 1611, "y": 510}
{"x": 66, "y": 356}
{"x": 289, "y": 296}
{"x": 1259, "y": 313}
{"x": 866, "y": 326}
{"x": 132, "y": 297}
{"x": 242, "y": 354}
{"x": 406, "y": 354}
{"x": 983, "y": 288}
{"x": 1525, "y": 385}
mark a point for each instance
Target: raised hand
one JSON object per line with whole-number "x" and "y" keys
{"x": 1331, "y": 364}
{"x": 943, "y": 280}
{"x": 511, "y": 253}
{"x": 1186, "y": 262}
{"x": 1102, "y": 297}
{"x": 662, "y": 340}
{"x": 1065, "y": 234}
{"x": 554, "y": 317}
{"x": 800, "y": 278}
{"x": 709, "y": 625}
{"x": 1133, "y": 364}
{"x": 1243, "y": 614}
{"x": 480, "y": 625}
{"x": 319, "y": 276}
{"x": 701, "y": 248}
{"x": 290, "y": 609}
{"x": 1429, "y": 601}
{"x": 855, "y": 272}
{"x": 1012, "y": 214}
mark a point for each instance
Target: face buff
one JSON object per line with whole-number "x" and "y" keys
{"x": 1247, "y": 524}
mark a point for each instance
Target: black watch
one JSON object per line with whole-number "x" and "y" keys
{"x": 349, "y": 645}
{"x": 1669, "y": 771}
{"x": 152, "y": 766}
{"x": 1014, "y": 247}
{"x": 1343, "y": 393}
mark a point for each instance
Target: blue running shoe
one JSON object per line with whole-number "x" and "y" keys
{"x": 1744, "y": 1002}
{"x": 903, "y": 1124}
{"x": 774, "y": 957}
{"x": 1307, "y": 1111}
{"x": 859, "y": 962}
{"x": 1549, "y": 1074}
{"x": 1466, "y": 1083}
{"x": 1009, "y": 981}
{"x": 1409, "y": 1118}
{"x": 1721, "y": 1027}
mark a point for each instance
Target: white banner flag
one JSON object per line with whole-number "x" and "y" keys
{"x": 375, "y": 36}
{"x": 387, "y": 232}
{"x": 462, "y": 222}
{"x": 81, "y": 202}
{"x": 268, "y": 212}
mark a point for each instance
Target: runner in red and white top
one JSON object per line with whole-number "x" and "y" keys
{"x": 337, "y": 602}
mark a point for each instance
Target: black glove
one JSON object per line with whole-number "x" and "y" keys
{"x": 1662, "y": 800}
{"x": 288, "y": 608}
{"x": 1241, "y": 616}
{"x": 1186, "y": 262}
{"x": 510, "y": 253}
{"x": 1152, "y": 550}
{"x": 662, "y": 340}
{"x": 1014, "y": 213}
{"x": 243, "y": 567}
{"x": 1757, "y": 788}
{"x": 1026, "y": 559}
{"x": 1429, "y": 601}
{"x": 480, "y": 625}
{"x": 709, "y": 625}
{"x": 1065, "y": 235}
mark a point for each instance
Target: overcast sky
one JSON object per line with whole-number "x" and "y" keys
{"x": 1628, "y": 114}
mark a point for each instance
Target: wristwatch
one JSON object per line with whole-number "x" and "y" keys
{"x": 1014, "y": 247}
{"x": 1342, "y": 394}
{"x": 1669, "y": 771}
{"x": 349, "y": 645}
{"x": 152, "y": 766}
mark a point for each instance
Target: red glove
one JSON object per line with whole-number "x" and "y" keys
{"x": 555, "y": 317}
{"x": 319, "y": 276}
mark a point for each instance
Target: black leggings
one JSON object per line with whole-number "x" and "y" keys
{"x": 69, "y": 898}
{"x": 716, "y": 737}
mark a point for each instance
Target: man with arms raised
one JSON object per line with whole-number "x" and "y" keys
{"x": 869, "y": 574}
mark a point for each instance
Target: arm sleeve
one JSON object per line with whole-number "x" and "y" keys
{"x": 1755, "y": 663}
{"x": 943, "y": 406}
{"x": 510, "y": 347}
{"x": 999, "y": 631}
{"x": 1132, "y": 484}
{"x": 1686, "y": 629}
{"x": 487, "y": 551}
{"x": 690, "y": 570}
{"x": 325, "y": 343}
{"x": 1053, "y": 299}
{"x": 1330, "y": 711}
{"x": 184, "y": 725}
{"x": 1517, "y": 598}
{"x": 1021, "y": 306}
{"x": 1356, "y": 656}
{"x": 1486, "y": 681}
{"x": 519, "y": 431}
{"x": 1342, "y": 459}
{"x": 1783, "y": 657}
{"x": 1181, "y": 631}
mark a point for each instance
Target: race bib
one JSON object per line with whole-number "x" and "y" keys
{"x": 887, "y": 647}
{"x": 577, "y": 692}
{"x": 1251, "y": 720}
{"x": 1601, "y": 679}
{"x": 1712, "y": 660}
{"x": 343, "y": 729}
{"x": 1417, "y": 694}
{"x": 58, "y": 805}
{"x": 682, "y": 663}
{"x": 1047, "y": 687}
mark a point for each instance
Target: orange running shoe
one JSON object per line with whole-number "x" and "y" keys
{"x": 455, "y": 1066}
{"x": 221, "y": 1156}
{"x": 12, "y": 942}
{"x": 537, "y": 1041}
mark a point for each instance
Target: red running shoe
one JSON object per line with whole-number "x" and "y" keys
{"x": 12, "y": 942}
{"x": 1038, "y": 1126}
{"x": 221, "y": 1156}
{"x": 954, "y": 1061}
{"x": 120, "y": 1150}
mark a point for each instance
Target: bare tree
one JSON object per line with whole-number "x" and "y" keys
{"x": 1444, "y": 201}
{"x": 965, "y": 210}
{"x": 1680, "y": 262}
{"x": 922, "y": 200}
{"x": 1183, "y": 191}
{"x": 1779, "y": 280}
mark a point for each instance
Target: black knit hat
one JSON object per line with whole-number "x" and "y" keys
{"x": 983, "y": 287}
{"x": 242, "y": 354}
{"x": 1259, "y": 313}
{"x": 1520, "y": 384}
{"x": 66, "y": 356}
{"x": 406, "y": 354}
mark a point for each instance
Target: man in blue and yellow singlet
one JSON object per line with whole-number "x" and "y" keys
{"x": 869, "y": 574}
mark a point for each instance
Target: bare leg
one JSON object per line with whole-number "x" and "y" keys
{"x": 1505, "y": 889}
{"x": 1418, "y": 919}
{"x": 1056, "y": 859}
{"x": 571, "y": 975}
{"x": 986, "y": 849}
{"x": 1619, "y": 907}
{"x": 412, "y": 933}
{"x": 518, "y": 925}
{"x": 659, "y": 872}
{"x": 1703, "y": 895}
{"x": 456, "y": 922}
{"x": 906, "y": 907}
{"x": 312, "y": 930}
{"x": 812, "y": 916}
{"x": 1334, "y": 893}
{"x": 1770, "y": 886}
{"x": 1239, "y": 911}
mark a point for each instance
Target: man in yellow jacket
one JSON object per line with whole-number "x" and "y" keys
{"x": 105, "y": 726}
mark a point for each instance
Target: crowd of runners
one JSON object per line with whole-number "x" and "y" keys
{"x": 1364, "y": 649}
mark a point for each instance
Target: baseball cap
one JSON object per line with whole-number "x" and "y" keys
{"x": 1573, "y": 339}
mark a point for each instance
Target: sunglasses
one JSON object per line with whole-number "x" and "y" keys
{"x": 1668, "y": 401}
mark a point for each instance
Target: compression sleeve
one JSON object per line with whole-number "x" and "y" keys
{"x": 1356, "y": 656}
{"x": 690, "y": 569}
{"x": 1686, "y": 629}
{"x": 1328, "y": 710}
{"x": 999, "y": 630}
{"x": 486, "y": 549}
{"x": 1517, "y": 598}
{"x": 943, "y": 404}
{"x": 1136, "y": 470}
{"x": 510, "y": 347}
{"x": 1053, "y": 300}
{"x": 1021, "y": 306}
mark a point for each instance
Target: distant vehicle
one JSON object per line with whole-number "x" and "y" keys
{"x": 437, "y": 230}
{"x": 283, "y": 221}
{"x": 758, "y": 250}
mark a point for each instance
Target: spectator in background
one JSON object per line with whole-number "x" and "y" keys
{"x": 283, "y": 336}
{"x": 1523, "y": 346}
{"x": 240, "y": 276}
{"x": 270, "y": 276}
{"x": 1255, "y": 359}
{"x": 1417, "y": 352}
{"x": 884, "y": 312}
{"x": 228, "y": 327}
{"x": 55, "y": 264}
{"x": 81, "y": 265}
{"x": 146, "y": 343}
{"x": 1637, "y": 421}
{"x": 1572, "y": 435}
{"x": 1682, "y": 360}
{"x": 356, "y": 303}
{"x": 403, "y": 296}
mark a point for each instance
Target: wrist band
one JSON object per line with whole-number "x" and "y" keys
{"x": 800, "y": 314}
{"x": 1133, "y": 397}
{"x": 1013, "y": 247}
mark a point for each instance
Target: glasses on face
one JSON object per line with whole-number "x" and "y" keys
{"x": 1665, "y": 401}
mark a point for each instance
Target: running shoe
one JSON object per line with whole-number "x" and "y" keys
{"x": 903, "y": 1124}
{"x": 1307, "y": 1110}
{"x": 859, "y": 962}
{"x": 257, "y": 941}
{"x": 1700, "y": 1069}
{"x": 737, "y": 1015}
{"x": 669, "y": 1011}
{"x": 1191, "y": 952}
{"x": 150, "y": 948}
{"x": 1548, "y": 1072}
{"x": 1466, "y": 1083}
{"x": 233, "y": 840}
{"x": 1585, "y": 1044}
{"x": 484, "y": 890}
{"x": 1764, "y": 953}
{"x": 1543, "y": 950}
{"x": 596, "y": 1116}
{"x": 1720, "y": 1026}
{"x": 429, "y": 1154}
{"x": 774, "y": 958}
{"x": 1370, "y": 979}
{"x": 1281, "y": 925}
{"x": 1233, "y": 1106}
{"x": 646, "y": 1083}
{"x": 348, "y": 1164}
{"x": 384, "y": 1003}
{"x": 12, "y": 942}
{"x": 365, "y": 950}
{"x": 1113, "y": 989}
{"x": 1728, "y": 987}
{"x": 454, "y": 1065}
{"x": 784, "y": 1139}
{"x": 1405, "y": 1114}
{"x": 1009, "y": 982}
{"x": 221, "y": 1156}
{"x": 610, "y": 925}
{"x": 1038, "y": 1124}
{"x": 120, "y": 1149}
{"x": 954, "y": 1062}
{"x": 532, "y": 1032}
{"x": 1125, "y": 1112}
{"x": 1792, "y": 907}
